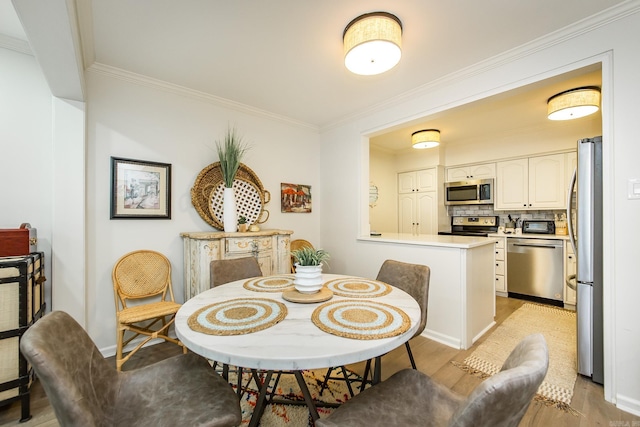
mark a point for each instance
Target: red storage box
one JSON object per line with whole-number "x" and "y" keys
{"x": 18, "y": 241}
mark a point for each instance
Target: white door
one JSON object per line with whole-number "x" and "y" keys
{"x": 406, "y": 213}
{"x": 427, "y": 213}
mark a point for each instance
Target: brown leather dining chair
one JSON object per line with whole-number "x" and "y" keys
{"x": 414, "y": 280}
{"x": 411, "y": 398}
{"x": 84, "y": 389}
{"x": 229, "y": 270}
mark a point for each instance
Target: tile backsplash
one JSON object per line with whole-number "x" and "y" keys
{"x": 487, "y": 210}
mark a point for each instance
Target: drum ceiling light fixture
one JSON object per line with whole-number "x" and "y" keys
{"x": 372, "y": 43}
{"x": 427, "y": 138}
{"x": 574, "y": 103}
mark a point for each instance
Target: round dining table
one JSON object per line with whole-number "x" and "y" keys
{"x": 294, "y": 342}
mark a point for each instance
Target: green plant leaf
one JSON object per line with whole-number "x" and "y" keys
{"x": 310, "y": 256}
{"x": 230, "y": 153}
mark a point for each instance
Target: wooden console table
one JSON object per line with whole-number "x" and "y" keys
{"x": 270, "y": 247}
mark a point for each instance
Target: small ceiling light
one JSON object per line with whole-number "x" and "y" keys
{"x": 427, "y": 138}
{"x": 574, "y": 103}
{"x": 372, "y": 43}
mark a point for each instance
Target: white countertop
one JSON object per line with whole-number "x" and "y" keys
{"x": 462, "y": 242}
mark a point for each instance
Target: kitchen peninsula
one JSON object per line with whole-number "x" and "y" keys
{"x": 461, "y": 288}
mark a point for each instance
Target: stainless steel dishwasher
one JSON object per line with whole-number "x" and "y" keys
{"x": 534, "y": 268}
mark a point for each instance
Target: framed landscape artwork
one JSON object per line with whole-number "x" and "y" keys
{"x": 140, "y": 189}
{"x": 295, "y": 198}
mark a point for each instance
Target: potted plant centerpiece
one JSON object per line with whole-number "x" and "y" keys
{"x": 242, "y": 224}
{"x": 230, "y": 153}
{"x": 308, "y": 263}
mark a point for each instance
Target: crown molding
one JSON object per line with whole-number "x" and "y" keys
{"x": 15, "y": 44}
{"x": 577, "y": 29}
{"x": 141, "y": 80}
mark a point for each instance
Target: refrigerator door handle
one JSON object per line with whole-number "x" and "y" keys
{"x": 572, "y": 186}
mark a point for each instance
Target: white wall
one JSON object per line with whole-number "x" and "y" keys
{"x": 621, "y": 89}
{"x": 26, "y": 150}
{"x": 151, "y": 122}
{"x": 383, "y": 217}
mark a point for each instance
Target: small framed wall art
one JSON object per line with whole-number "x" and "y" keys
{"x": 140, "y": 189}
{"x": 295, "y": 198}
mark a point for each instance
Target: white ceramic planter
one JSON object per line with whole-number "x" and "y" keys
{"x": 308, "y": 278}
{"x": 229, "y": 210}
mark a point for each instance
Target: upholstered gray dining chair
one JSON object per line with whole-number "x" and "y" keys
{"x": 411, "y": 398}
{"x": 85, "y": 390}
{"x": 229, "y": 270}
{"x": 414, "y": 280}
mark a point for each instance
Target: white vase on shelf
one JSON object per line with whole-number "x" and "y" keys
{"x": 308, "y": 278}
{"x": 229, "y": 210}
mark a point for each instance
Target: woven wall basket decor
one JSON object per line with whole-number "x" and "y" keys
{"x": 207, "y": 195}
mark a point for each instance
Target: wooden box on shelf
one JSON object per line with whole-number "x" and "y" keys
{"x": 21, "y": 304}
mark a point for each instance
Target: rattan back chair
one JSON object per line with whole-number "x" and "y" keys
{"x": 145, "y": 305}
{"x": 295, "y": 245}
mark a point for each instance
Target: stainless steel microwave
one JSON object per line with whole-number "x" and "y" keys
{"x": 472, "y": 192}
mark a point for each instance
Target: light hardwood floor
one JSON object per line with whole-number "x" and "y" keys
{"x": 432, "y": 358}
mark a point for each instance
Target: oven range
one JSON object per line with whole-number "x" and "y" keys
{"x": 480, "y": 226}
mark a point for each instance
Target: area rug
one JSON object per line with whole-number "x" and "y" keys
{"x": 289, "y": 415}
{"x": 558, "y": 326}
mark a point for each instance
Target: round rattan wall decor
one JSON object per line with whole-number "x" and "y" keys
{"x": 206, "y": 195}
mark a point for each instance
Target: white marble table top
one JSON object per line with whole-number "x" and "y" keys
{"x": 293, "y": 344}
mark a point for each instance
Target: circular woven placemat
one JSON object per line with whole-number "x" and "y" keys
{"x": 270, "y": 284}
{"x": 363, "y": 320}
{"x": 237, "y": 316}
{"x": 210, "y": 178}
{"x": 356, "y": 287}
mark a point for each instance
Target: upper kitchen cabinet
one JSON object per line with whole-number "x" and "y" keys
{"x": 418, "y": 181}
{"x": 534, "y": 183}
{"x": 475, "y": 171}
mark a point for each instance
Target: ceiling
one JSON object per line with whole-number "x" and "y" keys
{"x": 285, "y": 57}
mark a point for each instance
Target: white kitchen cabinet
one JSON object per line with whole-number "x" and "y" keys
{"x": 420, "y": 202}
{"x": 570, "y": 269}
{"x": 532, "y": 183}
{"x": 418, "y": 213}
{"x": 501, "y": 270}
{"x": 418, "y": 181}
{"x": 475, "y": 171}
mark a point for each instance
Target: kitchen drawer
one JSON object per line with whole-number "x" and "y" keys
{"x": 241, "y": 245}
{"x": 499, "y": 254}
{"x": 500, "y": 267}
{"x": 500, "y": 243}
{"x": 500, "y": 286}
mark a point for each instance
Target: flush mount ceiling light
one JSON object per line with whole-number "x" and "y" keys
{"x": 574, "y": 103}
{"x": 372, "y": 43}
{"x": 427, "y": 138}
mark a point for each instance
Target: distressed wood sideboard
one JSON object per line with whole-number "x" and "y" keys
{"x": 270, "y": 247}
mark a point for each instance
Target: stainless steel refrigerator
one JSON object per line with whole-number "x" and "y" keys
{"x": 586, "y": 238}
